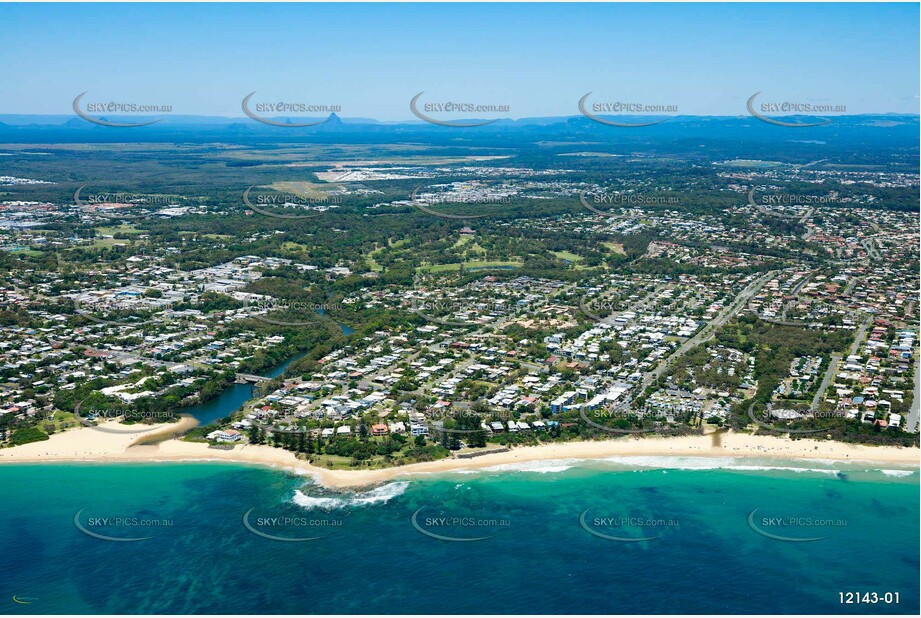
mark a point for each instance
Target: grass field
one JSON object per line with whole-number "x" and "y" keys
{"x": 568, "y": 256}
{"x": 24, "y": 250}
{"x": 105, "y": 243}
{"x": 469, "y": 246}
{"x": 573, "y": 259}
{"x": 370, "y": 256}
{"x": 473, "y": 265}
{"x": 293, "y": 247}
{"x": 616, "y": 247}
{"x": 124, "y": 228}
{"x": 372, "y": 263}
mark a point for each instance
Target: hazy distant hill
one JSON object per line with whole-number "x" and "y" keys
{"x": 724, "y": 135}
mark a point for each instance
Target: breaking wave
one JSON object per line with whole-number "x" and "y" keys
{"x": 378, "y": 495}
{"x": 540, "y": 467}
{"x": 898, "y": 473}
{"x": 712, "y": 463}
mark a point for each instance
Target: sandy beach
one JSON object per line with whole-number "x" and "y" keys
{"x": 90, "y": 445}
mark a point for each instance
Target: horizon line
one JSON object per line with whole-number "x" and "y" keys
{"x": 244, "y": 118}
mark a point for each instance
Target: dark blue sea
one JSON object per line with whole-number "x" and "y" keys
{"x": 649, "y": 536}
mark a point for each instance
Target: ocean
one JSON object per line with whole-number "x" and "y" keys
{"x": 639, "y": 535}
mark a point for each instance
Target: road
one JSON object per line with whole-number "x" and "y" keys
{"x": 133, "y": 357}
{"x": 638, "y": 306}
{"x": 703, "y": 334}
{"x": 810, "y": 164}
{"x": 911, "y": 421}
{"x": 870, "y": 245}
{"x": 767, "y": 211}
{"x": 367, "y": 381}
{"x": 850, "y": 286}
{"x": 826, "y": 381}
{"x": 835, "y": 359}
{"x": 794, "y": 293}
{"x": 248, "y": 377}
{"x": 859, "y": 335}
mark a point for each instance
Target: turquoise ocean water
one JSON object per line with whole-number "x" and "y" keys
{"x": 551, "y": 538}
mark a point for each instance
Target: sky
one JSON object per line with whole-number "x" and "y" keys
{"x": 537, "y": 59}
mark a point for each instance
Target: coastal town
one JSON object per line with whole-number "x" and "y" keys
{"x": 480, "y": 356}
{"x": 599, "y": 309}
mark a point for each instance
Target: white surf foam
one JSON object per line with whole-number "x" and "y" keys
{"x": 898, "y": 473}
{"x": 540, "y": 467}
{"x": 384, "y": 494}
{"x": 378, "y": 495}
{"x": 710, "y": 463}
{"x": 828, "y": 471}
{"x": 311, "y": 502}
{"x": 673, "y": 463}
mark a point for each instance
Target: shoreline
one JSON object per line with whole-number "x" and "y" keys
{"x": 88, "y": 446}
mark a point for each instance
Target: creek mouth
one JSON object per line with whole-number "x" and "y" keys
{"x": 173, "y": 430}
{"x": 716, "y": 438}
